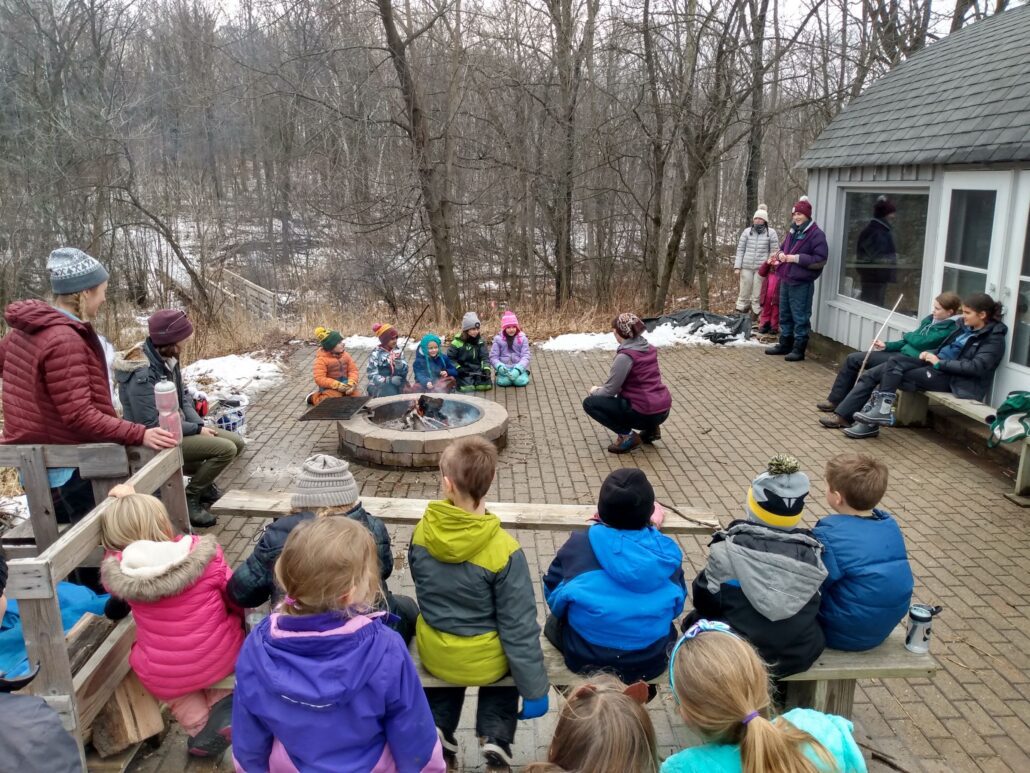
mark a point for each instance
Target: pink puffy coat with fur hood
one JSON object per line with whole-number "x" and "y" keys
{"x": 188, "y": 634}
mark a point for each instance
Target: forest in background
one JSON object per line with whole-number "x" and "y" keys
{"x": 354, "y": 154}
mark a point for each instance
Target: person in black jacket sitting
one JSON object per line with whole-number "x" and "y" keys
{"x": 325, "y": 488}
{"x": 963, "y": 365}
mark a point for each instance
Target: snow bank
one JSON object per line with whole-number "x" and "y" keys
{"x": 234, "y": 374}
{"x": 663, "y": 335}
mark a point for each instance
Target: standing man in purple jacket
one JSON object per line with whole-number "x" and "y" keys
{"x": 802, "y": 257}
{"x": 633, "y": 397}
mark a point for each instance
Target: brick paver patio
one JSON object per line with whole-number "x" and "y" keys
{"x": 734, "y": 408}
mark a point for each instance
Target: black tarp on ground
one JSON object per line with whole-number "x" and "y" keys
{"x": 739, "y": 326}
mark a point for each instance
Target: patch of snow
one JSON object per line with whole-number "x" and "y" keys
{"x": 234, "y": 374}
{"x": 16, "y": 508}
{"x": 663, "y": 335}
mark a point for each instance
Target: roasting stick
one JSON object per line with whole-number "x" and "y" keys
{"x": 877, "y": 336}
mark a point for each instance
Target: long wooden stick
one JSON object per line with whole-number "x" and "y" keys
{"x": 877, "y": 336}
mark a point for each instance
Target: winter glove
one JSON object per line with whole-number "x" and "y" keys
{"x": 516, "y": 371}
{"x": 397, "y": 380}
{"x": 531, "y": 709}
{"x": 501, "y": 370}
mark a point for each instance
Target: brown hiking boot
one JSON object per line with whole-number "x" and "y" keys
{"x": 833, "y": 421}
{"x": 826, "y": 406}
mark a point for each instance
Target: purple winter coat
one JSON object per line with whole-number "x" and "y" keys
{"x": 812, "y": 252}
{"x": 510, "y": 356}
{"x": 330, "y": 693}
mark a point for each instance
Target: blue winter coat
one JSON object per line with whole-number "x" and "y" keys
{"x": 868, "y": 587}
{"x": 428, "y": 368}
{"x": 618, "y": 593}
{"x": 327, "y": 693}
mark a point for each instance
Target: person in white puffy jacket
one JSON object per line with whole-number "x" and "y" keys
{"x": 756, "y": 244}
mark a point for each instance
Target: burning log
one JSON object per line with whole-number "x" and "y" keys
{"x": 425, "y": 413}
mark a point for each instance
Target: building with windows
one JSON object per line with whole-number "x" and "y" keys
{"x": 945, "y": 137}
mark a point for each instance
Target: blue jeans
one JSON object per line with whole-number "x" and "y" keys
{"x": 796, "y": 310}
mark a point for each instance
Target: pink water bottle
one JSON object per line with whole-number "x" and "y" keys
{"x": 166, "y": 399}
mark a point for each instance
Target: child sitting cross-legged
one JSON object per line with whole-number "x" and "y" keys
{"x": 763, "y": 575}
{"x": 603, "y": 727}
{"x": 468, "y": 353}
{"x": 616, "y": 589}
{"x": 323, "y": 684}
{"x": 721, "y": 689}
{"x": 868, "y": 587}
{"x": 434, "y": 372}
{"x": 188, "y": 632}
{"x": 335, "y": 372}
{"x": 325, "y": 488}
{"x": 386, "y": 368}
{"x": 478, "y": 620}
{"x": 509, "y": 354}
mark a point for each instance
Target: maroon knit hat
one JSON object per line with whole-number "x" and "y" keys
{"x": 883, "y": 207}
{"x": 803, "y": 206}
{"x": 169, "y": 326}
{"x": 628, "y": 325}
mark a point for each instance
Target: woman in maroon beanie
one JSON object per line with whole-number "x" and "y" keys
{"x": 633, "y": 397}
{"x": 206, "y": 451}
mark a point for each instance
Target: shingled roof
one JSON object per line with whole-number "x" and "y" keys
{"x": 965, "y": 99}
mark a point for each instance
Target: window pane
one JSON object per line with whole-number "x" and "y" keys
{"x": 1021, "y": 333}
{"x": 970, "y": 223}
{"x": 1026, "y": 249}
{"x": 883, "y": 256}
{"x": 963, "y": 282}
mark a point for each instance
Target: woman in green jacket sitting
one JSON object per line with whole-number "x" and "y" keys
{"x": 846, "y": 396}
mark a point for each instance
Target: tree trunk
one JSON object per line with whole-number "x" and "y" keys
{"x": 756, "y": 133}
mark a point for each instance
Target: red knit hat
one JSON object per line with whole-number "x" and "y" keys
{"x": 169, "y": 326}
{"x": 883, "y": 207}
{"x": 803, "y": 206}
{"x": 385, "y": 332}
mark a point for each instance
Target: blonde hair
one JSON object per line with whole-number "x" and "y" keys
{"x": 601, "y": 729}
{"x": 327, "y": 564}
{"x": 132, "y": 518}
{"x": 470, "y": 464}
{"x": 75, "y": 303}
{"x": 720, "y": 681}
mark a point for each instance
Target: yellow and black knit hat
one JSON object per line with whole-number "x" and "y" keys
{"x": 327, "y": 339}
{"x": 777, "y": 496}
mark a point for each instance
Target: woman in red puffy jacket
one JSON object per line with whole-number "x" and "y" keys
{"x": 55, "y": 376}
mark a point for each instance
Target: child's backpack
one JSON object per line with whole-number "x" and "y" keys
{"x": 1012, "y": 421}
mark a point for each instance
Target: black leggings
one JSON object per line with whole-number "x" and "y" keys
{"x": 616, "y": 414}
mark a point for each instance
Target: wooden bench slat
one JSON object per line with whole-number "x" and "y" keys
{"x": 890, "y": 659}
{"x": 513, "y": 515}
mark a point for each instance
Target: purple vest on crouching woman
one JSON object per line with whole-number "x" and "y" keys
{"x": 643, "y": 387}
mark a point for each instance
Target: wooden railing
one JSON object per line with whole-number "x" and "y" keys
{"x": 252, "y": 298}
{"x": 78, "y": 698}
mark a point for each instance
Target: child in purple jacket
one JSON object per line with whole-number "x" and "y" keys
{"x": 509, "y": 354}
{"x": 323, "y": 684}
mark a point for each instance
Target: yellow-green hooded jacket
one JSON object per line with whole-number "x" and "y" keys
{"x": 478, "y": 616}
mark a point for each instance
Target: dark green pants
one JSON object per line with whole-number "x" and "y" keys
{"x": 204, "y": 457}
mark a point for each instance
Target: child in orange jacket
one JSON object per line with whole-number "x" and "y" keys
{"x": 336, "y": 373}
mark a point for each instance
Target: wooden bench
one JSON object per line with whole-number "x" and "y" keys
{"x": 273, "y": 504}
{"x": 79, "y": 696}
{"x": 912, "y": 409}
{"x": 827, "y": 686}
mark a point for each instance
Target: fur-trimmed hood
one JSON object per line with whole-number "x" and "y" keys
{"x": 150, "y": 571}
{"x": 132, "y": 359}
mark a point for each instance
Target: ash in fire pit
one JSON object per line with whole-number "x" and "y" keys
{"x": 426, "y": 414}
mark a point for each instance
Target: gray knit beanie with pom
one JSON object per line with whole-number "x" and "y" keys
{"x": 324, "y": 481}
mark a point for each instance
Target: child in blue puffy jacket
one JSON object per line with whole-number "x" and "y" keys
{"x": 868, "y": 587}
{"x": 434, "y": 372}
{"x": 615, "y": 589}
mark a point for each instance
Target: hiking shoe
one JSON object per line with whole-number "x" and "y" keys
{"x": 650, "y": 437}
{"x": 860, "y": 430}
{"x": 216, "y": 736}
{"x": 625, "y": 443}
{"x": 881, "y": 412}
{"x": 484, "y": 387}
{"x": 449, "y": 744}
{"x": 833, "y": 421}
{"x": 200, "y": 516}
{"x": 467, "y": 388}
{"x": 210, "y": 495}
{"x": 497, "y": 755}
{"x": 310, "y": 399}
{"x": 765, "y": 328}
{"x": 826, "y": 406}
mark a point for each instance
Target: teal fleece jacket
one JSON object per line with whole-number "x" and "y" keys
{"x": 831, "y": 731}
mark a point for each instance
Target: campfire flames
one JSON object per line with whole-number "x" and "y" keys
{"x": 425, "y": 413}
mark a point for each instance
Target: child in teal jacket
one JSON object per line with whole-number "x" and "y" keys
{"x": 721, "y": 688}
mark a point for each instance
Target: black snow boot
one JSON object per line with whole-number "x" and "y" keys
{"x": 798, "y": 352}
{"x": 200, "y": 516}
{"x": 785, "y": 345}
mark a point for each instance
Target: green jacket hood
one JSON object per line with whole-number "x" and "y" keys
{"x": 453, "y": 535}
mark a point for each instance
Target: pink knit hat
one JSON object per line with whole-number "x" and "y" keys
{"x": 508, "y": 319}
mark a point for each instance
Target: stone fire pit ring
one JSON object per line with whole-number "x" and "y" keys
{"x": 365, "y": 441}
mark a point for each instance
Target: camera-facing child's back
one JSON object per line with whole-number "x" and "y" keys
{"x": 868, "y": 588}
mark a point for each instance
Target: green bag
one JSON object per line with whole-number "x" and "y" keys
{"x": 1012, "y": 421}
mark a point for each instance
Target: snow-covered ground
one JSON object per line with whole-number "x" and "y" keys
{"x": 663, "y": 335}
{"x": 245, "y": 374}
{"x": 15, "y": 508}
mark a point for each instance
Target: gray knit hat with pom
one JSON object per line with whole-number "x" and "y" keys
{"x": 72, "y": 271}
{"x": 777, "y": 496}
{"x": 324, "y": 481}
